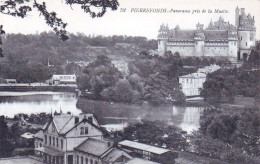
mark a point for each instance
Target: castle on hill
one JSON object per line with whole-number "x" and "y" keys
{"x": 219, "y": 39}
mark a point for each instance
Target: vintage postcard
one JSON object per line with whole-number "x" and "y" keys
{"x": 129, "y": 81}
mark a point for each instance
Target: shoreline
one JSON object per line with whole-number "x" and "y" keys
{"x": 29, "y": 88}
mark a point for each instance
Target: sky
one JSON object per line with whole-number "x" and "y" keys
{"x": 133, "y": 23}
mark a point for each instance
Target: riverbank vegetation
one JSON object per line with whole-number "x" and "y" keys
{"x": 152, "y": 79}
{"x": 231, "y": 135}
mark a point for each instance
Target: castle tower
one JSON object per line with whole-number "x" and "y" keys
{"x": 246, "y": 34}
{"x": 199, "y": 40}
{"x": 162, "y": 39}
{"x": 237, "y": 17}
{"x": 232, "y": 43}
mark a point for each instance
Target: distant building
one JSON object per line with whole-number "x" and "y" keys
{"x": 62, "y": 79}
{"x": 219, "y": 39}
{"x": 149, "y": 152}
{"x": 38, "y": 141}
{"x": 27, "y": 140}
{"x": 11, "y": 81}
{"x": 192, "y": 83}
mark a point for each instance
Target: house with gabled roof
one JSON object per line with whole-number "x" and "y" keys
{"x": 94, "y": 151}
{"x": 63, "y": 133}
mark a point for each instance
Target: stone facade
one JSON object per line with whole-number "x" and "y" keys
{"x": 219, "y": 39}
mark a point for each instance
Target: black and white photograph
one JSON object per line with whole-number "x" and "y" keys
{"x": 129, "y": 82}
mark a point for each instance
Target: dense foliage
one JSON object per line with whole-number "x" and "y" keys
{"x": 34, "y": 58}
{"x": 155, "y": 133}
{"x": 223, "y": 85}
{"x": 152, "y": 79}
{"x": 10, "y": 135}
{"x": 229, "y": 135}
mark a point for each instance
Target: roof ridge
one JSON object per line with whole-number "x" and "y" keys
{"x": 66, "y": 123}
{"x": 84, "y": 119}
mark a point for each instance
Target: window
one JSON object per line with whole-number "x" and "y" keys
{"x": 234, "y": 43}
{"x": 241, "y": 38}
{"x": 57, "y": 141}
{"x": 96, "y": 162}
{"x": 82, "y": 160}
{"x": 61, "y": 144}
{"x": 53, "y": 141}
{"x": 36, "y": 144}
{"x": 50, "y": 140}
{"x": 86, "y": 130}
{"x": 45, "y": 139}
{"x": 86, "y": 160}
{"x": 246, "y": 43}
{"x": 77, "y": 159}
{"x": 40, "y": 145}
{"x": 91, "y": 161}
{"x": 83, "y": 130}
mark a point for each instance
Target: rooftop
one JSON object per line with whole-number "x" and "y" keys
{"x": 28, "y": 135}
{"x": 140, "y": 161}
{"x": 145, "y": 147}
{"x": 94, "y": 147}
{"x": 114, "y": 154}
{"x": 194, "y": 75}
{"x": 65, "y": 122}
{"x": 39, "y": 134}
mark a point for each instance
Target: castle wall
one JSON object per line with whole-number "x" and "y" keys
{"x": 216, "y": 51}
{"x": 183, "y": 50}
{"x": 199, "y": 48}
{"x": 233, "y": 49}
{"x": 252, "y": 37}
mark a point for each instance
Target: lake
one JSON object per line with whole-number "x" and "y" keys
{"x": 111, "y": 115}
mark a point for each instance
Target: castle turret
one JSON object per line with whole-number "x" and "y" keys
{"x": 237, "y": 17}
{"x": 246, "y": 34}
{"x": 199, "y": 39}
{"x": 162, "y": 38}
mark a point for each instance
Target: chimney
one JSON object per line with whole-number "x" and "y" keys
{"x": 76, "y": 120}
{"x": 90, "y": 118}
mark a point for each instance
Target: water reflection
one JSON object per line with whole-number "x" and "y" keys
{"x": 174, "y": 111}
{"x": 191, "y": 119}
{"x": 113, "y": 116}
{"x": 13, "y": 103}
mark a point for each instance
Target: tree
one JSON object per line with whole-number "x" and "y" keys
{"x": 6, "y": 147}
{"x": 21, "y": 8}
{"x": 156, "y": 133}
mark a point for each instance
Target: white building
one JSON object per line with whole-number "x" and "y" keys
{"x": 63, "y": 79}
{"x": 192, "y": 83}
{"x": 68, "y": 139}
{"x": 63, "y": 133}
